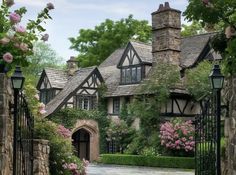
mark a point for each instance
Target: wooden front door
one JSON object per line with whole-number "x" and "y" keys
{"x": 81, "y": 142}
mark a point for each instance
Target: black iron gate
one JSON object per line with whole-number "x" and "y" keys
{"x": 205, "y": 137}
{"x": 23, "y": 136}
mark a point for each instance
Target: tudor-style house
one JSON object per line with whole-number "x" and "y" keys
{"x": 123, "y": 72}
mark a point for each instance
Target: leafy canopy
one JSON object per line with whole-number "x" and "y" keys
{"x": 95, "y": 45}
{"x": 215, "y": 12}
{"x": 43, "y": 56}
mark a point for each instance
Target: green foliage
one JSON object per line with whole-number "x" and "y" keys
{"x": 43, "y": 56}
{"x": 193, "y": 29}
{"x": 153, "y": 161}
{"x": 68, "y": 118}
{"x": 144, "y": 144}
{"x": 121, "y": 133}
{"x": 197, "y": 80}
{"x": 221, "y": 13}
{"x": 95, "y": 45}
{"x": 19, "y": 44}
{"x": 61, "y": 150}
{"x": 147, "y": 107}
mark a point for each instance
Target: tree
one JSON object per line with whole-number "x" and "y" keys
{"x": 95, "y": 45}
{"x": 193, "y": 29}
{"x": 44, "y": 56}
{"x": 210, "y": 12}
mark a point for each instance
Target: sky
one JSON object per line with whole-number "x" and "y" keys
{"x": 69, "y": 16}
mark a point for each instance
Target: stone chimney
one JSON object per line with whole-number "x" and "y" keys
{"x": 166, "y": 28}
{"x": 72, "y": 66}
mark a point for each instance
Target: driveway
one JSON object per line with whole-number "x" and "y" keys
{"x": 103, "y": 169}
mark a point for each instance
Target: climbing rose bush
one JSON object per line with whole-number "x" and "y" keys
{"x": 178, "y": 135}
{"x": 66, "y": 133}
{"x": 16, "y": 40}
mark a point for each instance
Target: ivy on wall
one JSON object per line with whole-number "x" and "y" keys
{"x": 68, "y": 118}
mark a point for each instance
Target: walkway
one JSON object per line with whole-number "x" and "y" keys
{"x": 101, "y": 169}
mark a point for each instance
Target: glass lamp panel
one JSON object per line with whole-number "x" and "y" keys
{"x": 218, "y": 82}
{"x": 17, "y": 83}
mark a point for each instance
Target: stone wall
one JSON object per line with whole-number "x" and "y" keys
{"x": 41, "y": 148}
{"x": 6, "y": 127}
{"x": 41, "y": 157}
{"x": 229, "y": 162}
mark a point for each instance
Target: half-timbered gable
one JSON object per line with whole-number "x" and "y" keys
{"x": 50, "y": 83}
{"x": 134, "y": 62}
{"x": 81, "y": 91}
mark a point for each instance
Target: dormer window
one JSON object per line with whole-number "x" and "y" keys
{"x": 131, "y": 74}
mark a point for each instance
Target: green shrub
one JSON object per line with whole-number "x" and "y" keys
{"x": 61, "y": 150}
{"x": 152, "y": 161}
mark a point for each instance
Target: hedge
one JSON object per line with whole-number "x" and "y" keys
{"x": 157, "y": 161}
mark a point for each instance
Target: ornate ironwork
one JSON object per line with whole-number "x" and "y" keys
{"x": 205, "y": 138}
{"x": 23, "y": 136}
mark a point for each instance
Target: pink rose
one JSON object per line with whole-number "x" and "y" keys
{"x": 4, "y": 40}
{"x": 50, "y": 6}
{"x": 36, "y": 96}
{"x": 7, "y": 57}
{"x": 45, "y": 37}
{"x": 20, "y": 29}
{"x": 23, "y": 47}
{"x": 229, "y": 32}
{"x": 42, "y": 111}
{"x": 14, "y": 17}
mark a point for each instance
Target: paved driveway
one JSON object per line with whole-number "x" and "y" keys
{"x": 101, "y": 169}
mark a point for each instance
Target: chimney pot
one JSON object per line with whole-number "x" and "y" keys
{"x": 167, "y": 5}
{"x": 161, "y": 7}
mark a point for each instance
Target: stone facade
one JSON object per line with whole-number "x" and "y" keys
{"x": 229, "y": 163}
{"x": 6, "y": 127}
{"x": 41, "y": 157}
{"x": 166, "y": 39}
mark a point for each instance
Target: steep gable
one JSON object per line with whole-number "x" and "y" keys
{"x": 85, "y": 78}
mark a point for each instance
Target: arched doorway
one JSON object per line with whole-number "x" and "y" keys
{"x": 81, "y": 142}
{"x": 86, "y": 139}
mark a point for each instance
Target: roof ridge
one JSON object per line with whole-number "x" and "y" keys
{"x": 140, "y": 42}
{"x": 199, "y": 35}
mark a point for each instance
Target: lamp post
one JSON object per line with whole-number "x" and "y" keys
{"x": 217, "y": 81}
{"x": 17, "y": 80}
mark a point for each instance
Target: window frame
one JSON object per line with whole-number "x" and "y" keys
{"x": 131, "y": 80}
{"x": 116, "y": 109}
{"x": 91, "y": 102}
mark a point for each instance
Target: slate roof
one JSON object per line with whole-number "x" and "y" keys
{"x": 71, "y": 86}
{"x": 143, "y": 50}
{"x": 192, "y": 47}
{"x": 57, "y": 78}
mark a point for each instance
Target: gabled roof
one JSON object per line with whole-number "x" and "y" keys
{"x": 57, "y": 78}
{"x": 192, "y": 48}
{"x": 143, "y": 50}
{"x": 71, "y": 87}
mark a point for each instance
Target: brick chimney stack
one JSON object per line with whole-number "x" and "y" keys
{"x": 72, "y": 66}
{"x": 166, "y": 28}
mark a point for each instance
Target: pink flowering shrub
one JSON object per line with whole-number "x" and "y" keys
{"x": 16, "y": 39}
{"x": 74, "y": 169}
{"x": 66, "y": 133}
{"x": 177, "y": 137}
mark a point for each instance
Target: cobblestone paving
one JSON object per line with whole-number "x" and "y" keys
{"x": 100, "y": 169}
